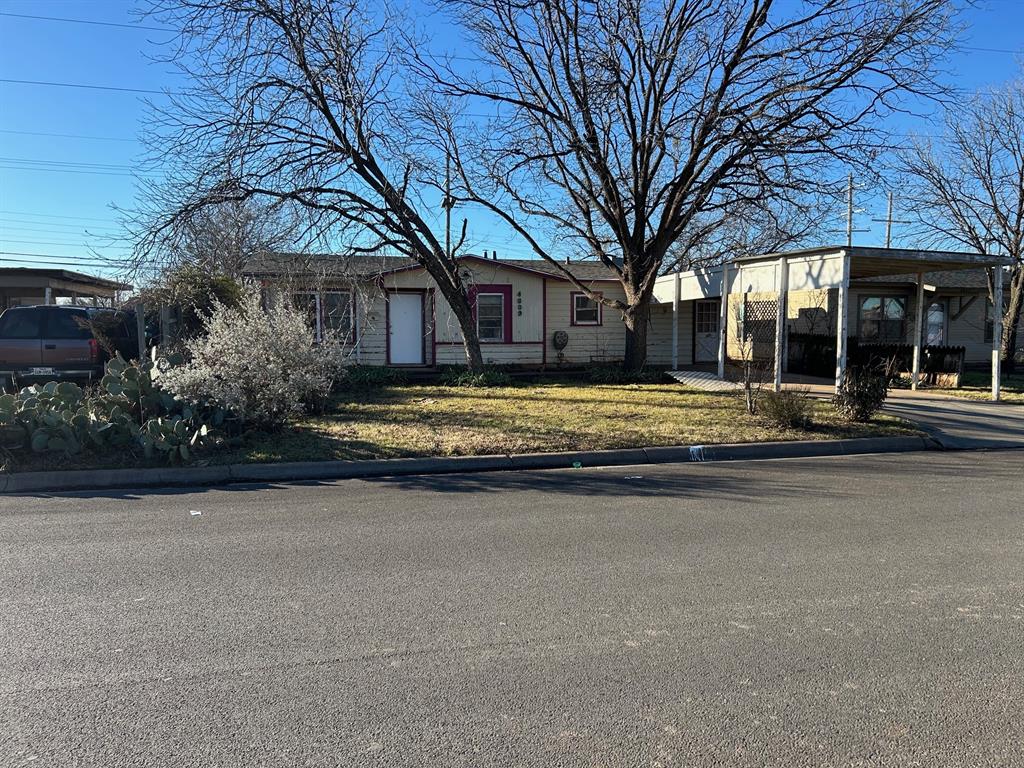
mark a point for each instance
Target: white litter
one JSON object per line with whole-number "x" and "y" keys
{"x": 634, "y": 477}
{"x": 194, "y": 512}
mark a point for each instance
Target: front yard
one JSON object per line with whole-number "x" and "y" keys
{"x": 441, "y": 421}
{"x": 433, "y": 420}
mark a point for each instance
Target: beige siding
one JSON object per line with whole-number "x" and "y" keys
{"x": 659, "y": 337}
{"x": 602, "y": 343}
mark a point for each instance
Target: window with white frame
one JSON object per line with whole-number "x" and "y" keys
{"x": 490, "y": 317}
{"x": 329, "y": 313}
{"x": 935, "y": 324}
{"x": 585, "y": 310}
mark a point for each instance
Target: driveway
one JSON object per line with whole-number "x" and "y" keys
{"x": 849, "y": 611}
{"x": 960, "y": 423}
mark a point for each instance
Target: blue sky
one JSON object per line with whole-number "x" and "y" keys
{"x": 56, "y": 191}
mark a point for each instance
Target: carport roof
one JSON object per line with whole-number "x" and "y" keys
{"x": 877, "y": 262}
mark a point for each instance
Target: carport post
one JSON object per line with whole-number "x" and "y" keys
{"x": 997, "y": 328}
{"x": 780, "y": 320}
{"x": 675, "y": 322}
{"x": 841, "y": 311}
{"x": 723, "y": 316}
{"x": 915, "y": 375}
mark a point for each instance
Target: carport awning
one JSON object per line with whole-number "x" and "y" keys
{"x": 880, "y": 262}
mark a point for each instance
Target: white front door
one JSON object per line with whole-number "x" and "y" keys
{"x": 706, "y": 312}
{"x": 405, "y": 329}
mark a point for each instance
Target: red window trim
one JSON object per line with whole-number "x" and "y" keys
{"x": 505, "y": 290}
{"x": 572, "y": 311}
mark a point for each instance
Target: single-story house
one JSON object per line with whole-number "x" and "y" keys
{"x": 863, "y": 295}
{"x": 527, "y": 313}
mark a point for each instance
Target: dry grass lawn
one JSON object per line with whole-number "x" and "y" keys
{"x": 441, "y": 421}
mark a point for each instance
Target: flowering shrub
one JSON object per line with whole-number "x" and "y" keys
{"x": 260, "y": 363}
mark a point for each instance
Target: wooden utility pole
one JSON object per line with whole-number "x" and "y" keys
{"x": 448, "y": 205}
{"x": 849, "y": 210}
{"x": 888, "y": 223}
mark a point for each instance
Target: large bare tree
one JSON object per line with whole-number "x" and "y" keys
{"x": 631, "y": 131}
{"x": 304, "y": 102}
{"x": 968, "y": 187}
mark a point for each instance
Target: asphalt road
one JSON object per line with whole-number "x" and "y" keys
{"x": 846, "y": 612}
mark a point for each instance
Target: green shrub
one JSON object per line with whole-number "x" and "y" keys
{"x": 127, "y": 412}
{"x": 861, "y": 393}
{"x": 457, "y": 376}
{"x": 614, "y": 374}
{"x": 370, "y": 377}
{"x": 788, "y": 409}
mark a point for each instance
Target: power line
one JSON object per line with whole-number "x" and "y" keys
{"x": 75, "y": 163}
{"x": 52, "y": 229}
{"x": 81, "y": 85}
{"x": 87, "y": 21}
{"x": 67, "y": 135}
{"x": 70, "y": 170}
{"x": 52, "y": 216}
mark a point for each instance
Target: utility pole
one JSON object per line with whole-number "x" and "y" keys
{"x": 448, "y": 205}
{"x": 888, "y": 223}
{"x": 849, "y": 211}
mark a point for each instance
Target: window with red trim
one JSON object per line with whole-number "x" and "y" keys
{"x": 492, "y": 306}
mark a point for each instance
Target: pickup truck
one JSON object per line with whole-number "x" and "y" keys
{"x": 57, "y": 343}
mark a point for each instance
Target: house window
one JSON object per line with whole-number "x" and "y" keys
{"x": 307, "y": 303}
{"x": 707, "y": 316}
{"x": 490, "y": 316}
{"x": 585, "y": 310}
{"x": 935, "y": 324}
{"x": 328, "y": 313}
{"x": 883, "y": 319}
{"x": 336, "y": 313}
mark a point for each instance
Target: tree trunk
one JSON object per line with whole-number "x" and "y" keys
{"x": 636, "y": 320}
{"x": 467, "y": 324}
{"x": 1011, "y": 322}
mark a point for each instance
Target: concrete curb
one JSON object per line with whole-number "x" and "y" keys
{"x": 100, "y": 479}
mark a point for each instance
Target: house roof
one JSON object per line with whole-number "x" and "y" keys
{"x": 319, "y": 265}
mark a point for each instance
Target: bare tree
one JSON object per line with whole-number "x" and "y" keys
{"x": 633, "y": 130}
{"x": 303, "y": 102}
{"x": 223, "y": 238}
{"x": 968, "y": 188}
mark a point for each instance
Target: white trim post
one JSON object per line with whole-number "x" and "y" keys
{"x": 997, "y": 329}
{"x": 723, "y": 316}
{"x": 842, "y": 309}
{"x": 48, "y": 295}
{"x": 780, "y": 320}
{"x": 915, "y": 375}
{"x": 675, "y": 321}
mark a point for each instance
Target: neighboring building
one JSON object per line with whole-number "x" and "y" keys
{"x": 391, "y": 309}
{"x": 881, "y": 307}
{"x": 24, "y": 286}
